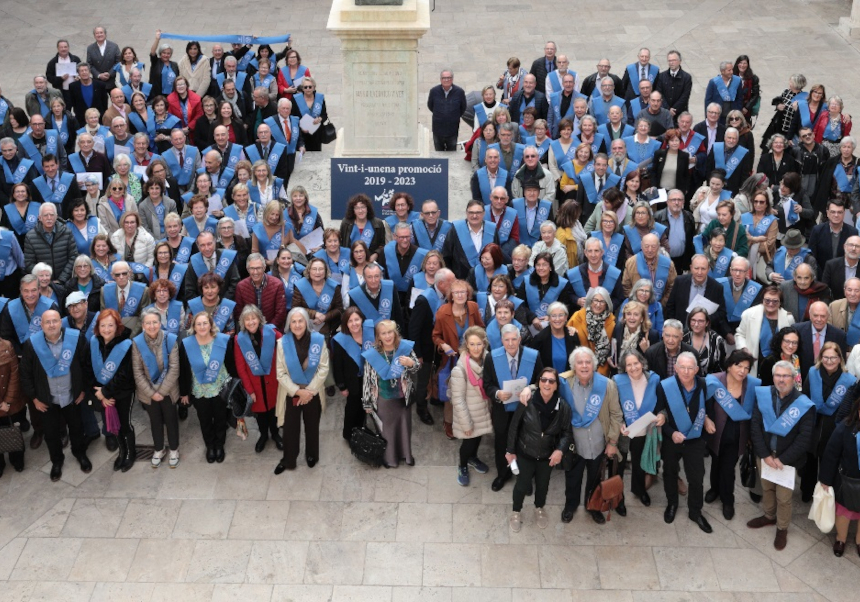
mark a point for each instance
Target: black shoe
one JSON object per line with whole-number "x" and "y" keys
{"x": 621, "y": 509}
{"x": 56, "y": 472}
{"x": 711, "y": 496}
{"x": 755, "y": 497}
{"x": 703, "y": 523}
{"x": 411, "y": 462}
{"x": 86, "y": 465}
{"x": 182, "y": 411}
{"x": 498, "y": 483}
{"x": 119, "y": 442}
{"x": 597, "y": 516}
{"x": 425, "y": 417}
{"x": 567, "y": 515}
{"x": 311, "y": 461}
{"x": 669, "y": 514}
{"x": 36, "y": 439}
{"x": 728, "y": 511}
{"x": 645, "y": 499}
{"x": 24, "y": 425}
{"x": 130, "y": 452}
{"x": 111, "y": 443}
{"x": 219, "y": 455}
{"x": 281, "y": 467}
{"x": 261, "y": 444}
{"x": 279, "y": 443}
{"x": 330, "y": 391}
{"x": 210, "y": 455}
{"x": 19, "y": 467}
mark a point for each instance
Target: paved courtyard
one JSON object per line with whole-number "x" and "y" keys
{"x": 341, "y": 531}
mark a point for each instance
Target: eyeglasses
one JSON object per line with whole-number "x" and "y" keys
{"x": 307, "y": 87}
{"x": 771, "y": 301}
{"x": 120, "y": 274}
{"x": 530, "y": 156}
{"x": 734, "y": 118}
{"x": 790, "y": 342}
{"x": 117, "y": 188}
{"x": 548, "y": 381}
{"x": 829, "y": 358}
{"x": 806, "y": 136}
{"x": 430, "y": 212}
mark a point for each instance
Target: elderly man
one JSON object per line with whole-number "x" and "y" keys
{"x": 651, "y": 264}
{"x": 711, "y": 129}
{"x": 401, "y": 260}
{"x": 595, "y": 272}
{"x": 504, "y": 217}
{"x": 675, "y": 85}
{"x": 682, "y": 229}
{"x": 81, "y": 319}
{"x": 828, "y": 239}
{"x": 89, "y": 93}
{"x": 659, "y": 118}
{"x": 615, "y": 128}
{"x": 182, "y": 159}
{"x": 760, "y": 323}
{"x": 430, "y": 231}
{"x": 553, "y": 82}
{"x": 285, "y": 130}
{"x": 598, "y": 106}
{"x": 447, "y": 103}
{"x": 51, "y": 242}
{"x": 725, "y": 90}
{"x": 508, "y": 362}
{"x": 266, "y": 149}
{"x": 840, "y": 269}
{"x": 216, "y": 66}
{"x": 467, "y": 238}
{"x": 781, "y": 433}
{"x": 214, "y": 166}
{"x": 543, "y": 66}
{"x": 39, "y": 99}
{"x": 125, "y": 296}
{"x": 240, "y": 102}
{"x": 14, "y": 169}
{"x": 527, "y": 96}
{"x": 376, "y": 298}
{"x": 263, "y": 108}
{"x": 639, "y": 103}
{"x": 210, "y": 259}
{"x": 117, "y": 107}
{"x": 489, "y": 176}
{"x": 663, "y": 356}
{"x": 121, "y": 137}
{"x": 420, "y": 330}
{"x": 263, "y": 290}
{"x": 791, "y": 254}
{"x": 739, "y": 293}
{"x": 40, "y": 142}
{"x": 698, "y": 284}
{"x": 732, "y": 158}
{"x": 511, "y": 154}
{"x": 596, "y": 420}
{"x": 89, "y": 160}
{"x": 52, "y": 378}
{"x": 136, "y": 84}
{"x": 799, "y": 294}
{"x": 232, "y": 73}
{"x": 532, "y": 211}
{"x": 636, "y": 72}
{"x": 842, "y": 313}
{"x": 814, "y": 333}
{"x": 102, "y": 55}
{"x": 590, "y": 193}
{"x": 532, "y": 170}
{"x": 230, "y": 153}
{"x": 681, "y": 398}
{"x": 591, "y": 84}
{"x": 62, "y": 82}
{"x": 619, "y": 163}
{"x": 836, "y": 177}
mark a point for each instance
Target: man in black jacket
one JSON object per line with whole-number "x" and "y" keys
{"x": 51, "y": 242}
{"x": 456, "y": 251}
{"x": 526, "y": 97}
{"x": 698, "y": 283}
{"x": 675, "y": 85}
{"x": 447, "y": 103}
{"x": 838, "y": 269}
{"x": 781, "y": 433}
{"x": 52, "y": 377}
{"x": 102, "y": 55}
{"x": 713, "y": 131}
{"x": 663, "y": 356}
{"x": 813, "y": 334}
{"x": 592, "y": 83}
{"x": 62, "y": 83}
{"x": 821, "y": 238}
{"x": 206, "y": 261}
{"x": 682, "y": 229}
{"x": 543, "y": 66}
{"x": 95, "y": 98}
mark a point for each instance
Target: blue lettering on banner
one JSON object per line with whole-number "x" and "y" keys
{"x": 379, "y": 179}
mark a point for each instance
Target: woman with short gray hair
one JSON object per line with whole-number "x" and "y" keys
{"x": 594, "y": 325}
{"x": 785, "y": 108}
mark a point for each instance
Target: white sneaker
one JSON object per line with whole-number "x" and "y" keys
{"x": 174, "y": 458}
{"x": 156, "y": 458}
{"x": 515, "y": 522}
{"x": 542, "y": 518}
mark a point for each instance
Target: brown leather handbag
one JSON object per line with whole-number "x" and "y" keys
{"x": 608, "y": 493}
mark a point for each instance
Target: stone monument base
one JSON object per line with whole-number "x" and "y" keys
{"x": 424, "y": 140}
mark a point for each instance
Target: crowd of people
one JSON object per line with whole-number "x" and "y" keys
{"x": 623, "y": 286}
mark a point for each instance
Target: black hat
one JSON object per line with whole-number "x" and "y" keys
{"x": 531, "y": 184}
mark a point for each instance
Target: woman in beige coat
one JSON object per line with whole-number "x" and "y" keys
{"x": 157, "y": 383}
{"x": 469, "y": 402}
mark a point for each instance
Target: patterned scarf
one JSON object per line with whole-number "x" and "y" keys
{"x": 595, "y": 325}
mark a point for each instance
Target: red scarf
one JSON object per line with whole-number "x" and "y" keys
{"x": 475, "y": 382}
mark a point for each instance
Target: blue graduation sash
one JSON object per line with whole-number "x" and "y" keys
{"x": 484, "y": 182}
{"x": 194, "y": 231}
{"x": 783, "y": 424}
{"x": 132, "y": 302}
{"x": 480, "y": 114}
{"x": 482, "y": 298}
{"x": 119, "y": 71}
{"x": 5, "y": 252}
{"x": 842, "y": 181}
{"x": 628, "y": 400}
{"x": 828, "y": 406}
{"x": 220, "y": 316}
{"x": 105, "y": 370}
{"x": 605, "y": 130}
{"x": 60, "y": 366}
{"x": 239, "y": 77}
{"x": 675, "y": 400}
{"x": 89, "y": 332}
{"x": 276, "y": 151}
{"x": 787, "y": 270}
{"x": 393, "y": 220}
{"x": 250, "y": 218}
{"x": 421, "y": 238}
{"x": 831, "y": 134}
{"x": 295, "y": 275}
{"x": 538, "y": 305}
{"x": 103, "y": 273}
{"x": 530, "y": 237}
{"x": 308, "y": 221}
{"x": 57, "y": 196}
{"x": 640, "y": 152}
{"x": 44, "y": 109}
{"x": 174, "y": 313}
{"x": 145, "y": 89}
{"x": 525, "y": 369}
{"x": 21, "y": 172}
{"x": 22, "y": 225}
{"x": 481, "y": 280}
{"x": 302, "y": 377}
{"x": 720, "y": 158}
{"x": 761, "y": 228}
{"x": 319, "y": 303}
{"x": 574, "y": 276}
{"x": 610, "y": 253}
{"x": 592, "y": 406}
{"x": 432, "y": 299}
{"x": 353, "y": 349}
{"x": 419, "y": 281}
{"x": 734, "y": 311}
{"x": 386, "y": 295}
{"x": 82, "y": 242}
{"x": 341, "y": 266}
{"x": 221, "y": 268}
{"x": 516, "y": 161}
{"x": 518, "y": 280}
{"x": 278, "y": 133}
{"x": 591, "y": 192}
{"x": 853, "y": 334}
{"x": 4, "y": 108}
{"x": 692, "y": 143}
{"x": 366, "y": 234}
{"x": 736, "y": 411}
{"x": 595, "y": 145}
{"x": 315, "y": 110}
{"x": 804, "y": 113}
{"x": 206, "y": 373}
{"x": 300, "y": 73}
{"x": 52, "y": 141}
{"x": 721, "y": 265}
{"x": 183, "y": 253}
{"x": 384, "y": 370}
{"x": 184, "y": 174}
{"x": 507, "y": 222}
{"x": 562, "y": 157}
{"x": 148, "y": 357}
{"x": 256, "y": 79}
{"x": 555, "y": 105}
{"x": 633, "y": 73}
{"x": 167, "y": 79}
{"x": 23, "y": 328}
{"x": 148, "y": 127}
{"x": 494, "y": 332}
{"x": 542, "y": 148}
{"x": 259, "y": 365}
{"x": 462, "y": 229}
{"x": 598, "y": 108}
{"x": 392, "y": 266}
{"x": 661, "y": 276}
{"x": 728, "y": 94}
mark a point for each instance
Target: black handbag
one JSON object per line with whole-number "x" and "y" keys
{"x": 749, "y": 469}
{"x": 329, "y": 133}
{"x": 368, "y": 444}
{"x": 848, "y": 494}
{"x": 11, "y": 439}
{"x": 569, "y": 457}
{"x": 236, "y": 398}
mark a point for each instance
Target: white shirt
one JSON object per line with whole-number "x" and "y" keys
{"x": 102, "y": 47}
{"x": 712, "y": 135}
{"x": 477, "y": 237}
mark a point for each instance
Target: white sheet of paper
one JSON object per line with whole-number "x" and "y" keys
{"x": 215, "y": 203}
{"x": 515, "y": 387}
{"x": 240, "y": 228}
{"x": 640, "y": 425}
{"x": 67, "y": 69}
{"x": 81, "y": 177}
{"x": 308, "y": 125}
{"x": 99, "y": 144}
{"x": 662, "y": 197}
{"x": 707, "y": 304}
{"x": 140, "y": 172}
{"x": 314, "y": 240}
{"x": 271, "y": 254}
{"x": 784, "y": 477}
{"x": 416, "y": 292}
{"x": 122, "y": 150}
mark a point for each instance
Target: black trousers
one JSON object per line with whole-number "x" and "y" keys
{"x": 353, "y": 415}
{"x": 723, "y": 465}
{"x": 163, "y": 414}
{"x": 309, "y": 414}
{"x": 123, "y": 409}
{"x": 809, "y": 475}
{"x": 212, "y": 414}
{"x": 267, "y": 423}
{"x": 573, "y": 480}
{"x": 422, "y": 387}
{"x": 52, "y": 422}
{"x": 540, "y": 471}
{"x": 637, "y": 479}
{"x": 501, "y": 421}
{"x": 693, "y": 454}
{"x": 445, "y": 143}
{"x": 469, "y": 450}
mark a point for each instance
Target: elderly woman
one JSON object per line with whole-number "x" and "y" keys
{"x": 637, "y": 393}
{"x": 719, "y": 256}
{"x": 643, "y": 292}
{"x": 242, "y": 209}
{"x": 404, "y": 212}
{"x": 155, "y": 365}
{"x": 737, "y": 120}
{"x": 777, "y": 161}
{"x": 303, "y": 365}
{"x": 155, "y": 207}
{"x": 640, "y": 146}
{"x": 256, "y": 366}
{"x": 540, "y": 140}
{"x": 290, "y": 77}
{"x": 761, "y": 229}
{"x": 641, "y": 225}
{"x": 47, "y": 288}
{"x": 833, "y": 126}
{"x": 264, "y": 186}
{"x": 785, "y": 105}
{"x": 114, "y": 204}
{"x": 594, "y": 324}
{"x": 632, "y": 331}
{"x": 549, "y": 244}
{"x": 511, "y": 80}
{"x": 556, "y": 343}
{"x": 519, "y": 269}
{"x": 162, "y": 70}
{"x": 206, "y": 123}
{"x": 840, "y": 463}
{"x": 470, "y": 403}
{"x": 180, "y": 245}
{"x": 562, "y": 149}
{"x": 93, "y": 127}
{"x": 426, "y": 278}
{"x": 304, "y": 217}
{"x": 170, "y": 311}
{"x": 570, "y": 232}
{"x": 310, "y": 102}
{"x": 736, "y": 235}
{"x": 389, "y": 376}
{"x": 266, "y": 77}
{"x": 206, "y": 360}
{"x": 228, "y": 240}
{"x": 85, "y": 280}
{"x": 141, "y": 119}
{"x": 189, "y": 68}
{"x": 133, "y": 243}
{"x": 320, "y": 296}
{"x": 794, "y": 209}
{"x": 163, "y": 123}
{"x": 732, "y": 398}
{"x": 543, "y": 287}
{"x": 800, "y": 294}
{"x": 710, "y": 348}
{"x": 122, "y": 167}
{"x": 827, "y": 384}
{"x": 204, "y": 187}
{"x": 356, "y": 334}
{"x": 491, "y": 265}
{"x": 706, "y": 199}
{"x": 612, "y": 238}
{"x": 838, "y": 176}
{"x": 360, "y": 223}
{"x": 588, "y": 135}
{"x": 538, "y": 436}
{"x": 287, "y": 271}
{"x": 92, "y": 193}
{"x": 807, "y": 112}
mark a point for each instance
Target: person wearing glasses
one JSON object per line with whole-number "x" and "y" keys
{"x": 761, "y": 324}
{"x": 461, "y": 247}
{"x": 125, "y": 296}
{"x": 680, "y": 226}
{"x": 777, "y": 162}
{"x": 310, "y": 102}
{"x": 737, "y": 120}
{"x": 811, "y": 157}
{"x": 594, "y": 325}
{"x": 832, "y": 126}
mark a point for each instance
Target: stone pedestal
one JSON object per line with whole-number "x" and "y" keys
{"x": 850, "y": 26}
{"x": 380, "y": 78}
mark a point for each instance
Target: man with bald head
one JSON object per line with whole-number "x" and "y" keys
{"x": 838, "y": 270}
{"x": 731, "y": 157}
{"x": 492, "y": 174}
{"x": 659, "y": 118}
{"x": 651, "y": 264}
{"x": 689, "y": 287}
{"x": 639, "y": 103}
{"x": 229, "y": 155}
{"x": 528, "y": 96}
{"x": 39, "y": 99}
{"x": 553, "y": 80}
{"x": 842, "y": 313}
{"x": 615, "y": 128}
{"x": 39, "y": 142}
{"x": 117, "y": 107}
{"x": 636, "y": 73}
{"x": 504, "y": 216}
{"x": 285, "y": 130}
{"x": 267, "y": 149}
{"x": 815, "y": 332}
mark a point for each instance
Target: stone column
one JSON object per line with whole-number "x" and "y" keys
{"x": 850, "y": 26}
{"x": 380, "y": 77}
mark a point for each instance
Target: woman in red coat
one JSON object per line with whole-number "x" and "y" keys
{"x": 257, "y": 343}
{"x": 186, "y": 105}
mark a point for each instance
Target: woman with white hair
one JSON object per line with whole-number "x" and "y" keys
{"x": 133, "y": 185}
{"x": 832, "y": 126}
{"x": 84, "y": 280}
{"x": 548, "y": 243}
{"x": 47, "y": 288}
{"x": 594, "y": 324}
{"x": 162, "y": 71}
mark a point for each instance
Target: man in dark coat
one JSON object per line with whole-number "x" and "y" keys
{"x": 447, "y": 102}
